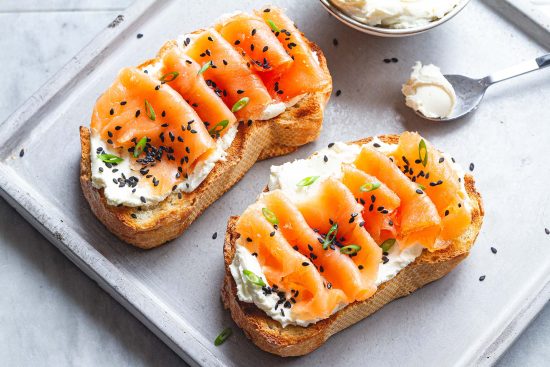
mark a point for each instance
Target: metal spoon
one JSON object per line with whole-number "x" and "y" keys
{"x": 470, "y": 92}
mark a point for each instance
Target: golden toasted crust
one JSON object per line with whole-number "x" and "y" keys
{"x": 268, "y": 334}
{"x": 153, "y": 226}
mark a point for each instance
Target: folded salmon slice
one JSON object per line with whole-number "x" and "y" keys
{"x": 182, "y": 74}
{"x": 229, "y": 74}
{"x": 137, "y": 107}
{"x": 286, "y": 268}
{"x": 305, "y": 75}
{"x": 425, "y": 165}
{"x": 417, "y": 216}
{"x": 379, "y": 202}
{"x": 337, "y": 268}
{"x": 250, "y": 35}
{"x": 333, "y": 211}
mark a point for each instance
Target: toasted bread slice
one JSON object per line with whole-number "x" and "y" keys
{"x": 152, "y": 226}
{"x": 293, "y": 340}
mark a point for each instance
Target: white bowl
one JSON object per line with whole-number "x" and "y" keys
{"x": 388, "y": 32}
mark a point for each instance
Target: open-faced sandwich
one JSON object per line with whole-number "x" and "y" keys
{"x": 170, "y": 136}
{"x": 338, "y": 235}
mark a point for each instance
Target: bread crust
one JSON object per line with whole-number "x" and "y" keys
{"x": 293, "y": 340}
{"x": 154, "y": 226}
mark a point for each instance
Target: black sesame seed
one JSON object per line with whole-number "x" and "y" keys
{"x": 338, "y": 93}
{"x": 237, "y": 42}
{"x": 21, "y": 153}
{"x": 142, "y": 199}
{"x": 335, "y": 42}
{"x": 394, "y": 59}
{"x": 546, "y": 230}
{"x": 157, "y": 87}
{"x": 376, "y": 145}
{"x": 325, "y": 158}
{"x": 267, "y": 10}
{"x": 387, "y": 61}
{"x": 295, "y": 248}
{"x": 441, "y": 159}
{"x": 139, "y": 35}
{"x": 248, "y": 239}
{"x": 471, "y": 166}
{"x": 251, "y": 47}
{"x": 331, "y": 145}
{"x": 272, "y": 234}
{"x": 482, "y": 278}
{"x": 305, "y": 263}
{"x": 493, "y": 250}
{"x": 446, "y": 212}
{"x": 118, "y": 128}
{"x": 419, "y": 192}
{"x": 240, "y": 91}
{"x": 137, "y": 113}
{"x": 210, "y": 39}
{"x": 163, "y": 114}
{"x": 265, "y": 49}
{"x": 329, "y": 285}
{"x": 215, "y": 235}
{"x": 112, "y": 112}
{"x": 122, "y": 103}
{"x": 360, "y": 267}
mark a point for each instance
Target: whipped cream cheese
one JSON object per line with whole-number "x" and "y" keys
{"x": 429, "y": 92}
{"x": 104, "y": 176}
{"x": 285, "y": 178}
{"x": 397, "y": 13}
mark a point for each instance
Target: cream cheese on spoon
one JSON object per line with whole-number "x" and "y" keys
{"x": 428, "y": 92}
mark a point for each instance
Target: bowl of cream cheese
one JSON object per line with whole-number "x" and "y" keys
{"x": 394, "y": 18}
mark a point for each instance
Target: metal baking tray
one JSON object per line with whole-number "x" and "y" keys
{"x": 174, "y": 290}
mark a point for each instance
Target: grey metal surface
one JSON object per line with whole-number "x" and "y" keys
{"x": 175, "y": 289}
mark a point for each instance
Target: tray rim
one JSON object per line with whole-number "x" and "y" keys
{"x": 162, "y": 321}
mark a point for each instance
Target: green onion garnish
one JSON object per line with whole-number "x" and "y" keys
{"x": 270, "y": 216}
{"x": 387, "y": 244}
{"x": 150, "y": 111}
{"x": 168, "y": 77}
{"x": 369, "y": 186}
{"x": 253, "y": 278}
{"x": 331, "y": 235}
{"x": 218, "y": 128}
{"x": 140, "y": 146}
{"x": 422, "y": 148}
{"x": 109, "y": 158}
{"x": 274, "y": 27}
{"x": 205, "y": 67}
{"x": 239, "y": 105}
{"x": 422, "y": 186}
{"x": 350, "y": 249}
{"x": 307, "y": 181}
{"x": 226, "y": 333}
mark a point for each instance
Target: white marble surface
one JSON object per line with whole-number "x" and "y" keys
{"x": 50, "y": 313}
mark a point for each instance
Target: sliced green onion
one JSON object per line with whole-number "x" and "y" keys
{"x": 369, "y": 186}
{"x": 218, "y": 128}
{"x": 109, "y": 158}
{"x": 205, "y": 67}
{"x": 422, "y": 186}
{"x": 422, "y": 148}
{"x": 331, "y": 235}
{"x": 239, "y": 105}
{"x": 387, "y": 244}
{"x": 226, "y": 333}
{"x": 150, "y": 111}
{"x": 350, "y": 249}
{"x": 253, "y": 278}
{"x": 168, "y": 77}
{"x": 140, "y": 146}
{"x": 270, "y": 216}
{"x": 273, "y": 26}
{"x": 307, "y": 181}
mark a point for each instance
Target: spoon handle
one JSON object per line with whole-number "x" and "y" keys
{"x": 520, "y": 69}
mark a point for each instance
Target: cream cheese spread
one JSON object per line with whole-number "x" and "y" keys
{"x": 429, "y": 92}
{"x": 324, "y": 163}
{"x": 397, "y": 13}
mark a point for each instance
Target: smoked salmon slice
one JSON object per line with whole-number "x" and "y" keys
{"x": 333, "y": 211}
{"x": 182, "y": 74}
{"x": 418, "y": 218}
{"x": 337, "y": 268}
{"x": 285, "y": 268}
{"x": 431, "y": 169}
{"x": 229, "y": 74}
{"x": 379, "y": 202}
{"x": 304, "y": 75}
{"x": 137, "y": 111}
{"x": 253, "y": 37}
